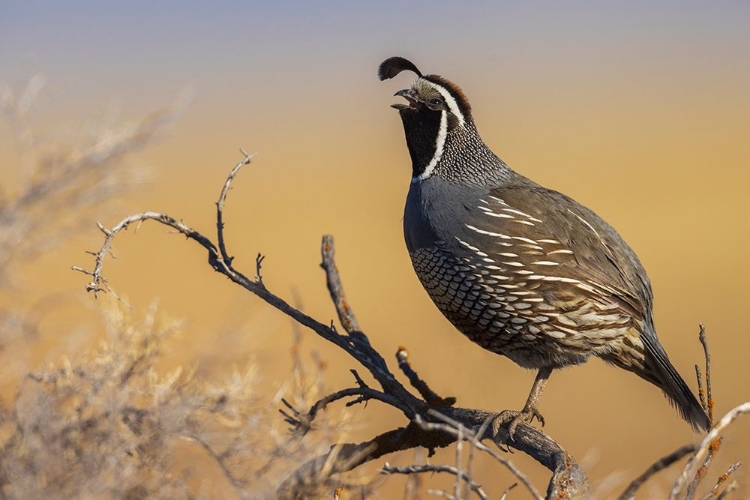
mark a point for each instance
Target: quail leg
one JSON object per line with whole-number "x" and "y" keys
{"x": 529, "y": 412}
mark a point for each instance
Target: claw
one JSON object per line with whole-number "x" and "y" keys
{"x": 514, "y": 418}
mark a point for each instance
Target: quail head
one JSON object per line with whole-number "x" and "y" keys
{"x": 522, "y": 270}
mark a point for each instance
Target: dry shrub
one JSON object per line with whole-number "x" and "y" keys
{"x": 111, "y": 424}
{"x": 115, "y": 422}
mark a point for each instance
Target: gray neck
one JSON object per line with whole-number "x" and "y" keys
{"x": 467, "y": 160}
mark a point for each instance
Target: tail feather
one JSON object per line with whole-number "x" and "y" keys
{"x": 673, "y": 385}
{"x": 654, "y": 366}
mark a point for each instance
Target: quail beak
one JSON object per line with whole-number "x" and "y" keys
{"x": 411, "y": 96}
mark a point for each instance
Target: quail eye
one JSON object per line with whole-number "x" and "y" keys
{"x": 436, "y": 102}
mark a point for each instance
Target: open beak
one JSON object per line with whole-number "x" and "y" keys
{"x": 411, "y": 96}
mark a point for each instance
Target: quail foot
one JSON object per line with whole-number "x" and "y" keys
{"x": 522, "y": 270}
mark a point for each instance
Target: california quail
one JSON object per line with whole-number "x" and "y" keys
{"x": 522, "y": 270}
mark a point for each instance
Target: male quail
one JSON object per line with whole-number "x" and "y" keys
{"x": 522, "y": 270}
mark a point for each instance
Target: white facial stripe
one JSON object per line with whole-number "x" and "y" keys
{"x": 439, "y": 143}
{"x": 452, "y": 104}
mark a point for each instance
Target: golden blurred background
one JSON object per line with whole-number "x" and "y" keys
{"x": 641, "y": 111}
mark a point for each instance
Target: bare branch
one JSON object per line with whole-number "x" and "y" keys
{"x": 507, "y": 490}
{"x": 98, "y": 282}
{"x": 722, "y": 479}
{"x": 451, "y": 427}
{"x": 302, "y": 422}
{"x": 707, "y": 401}
{"x": 707, "y": 356}
{"x": 705, "y": 445}
{"x": 336, "y": 289}
{"x": 657, "y": 466}
{"x": 421, "y": 469}
{"x": 402, "y": 356}
{"x": 220, "y": 205}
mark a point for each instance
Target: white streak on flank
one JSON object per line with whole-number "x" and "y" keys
{"x": 546, "y": 263}
{"x": 508, "y": 254}
{"x": 488, "y": 233}
{"x": 516, "y": 264}
{"x": 584, "y": 286}
{"x": 502, "y": 216}
{"x": 554, "y": 242}
{"x": 502, "y": 202}
{"x": 439, "y": 145}
{"x": 520, "y": 238}
{"x": 569, "y": 280}
{"x": 585, "y": 222}
{"x": 564, "y": 250}
{"x": 466, "y": 244}
{"x": 499, "y": 277}
{"x": 524, "y": 222}
{"x": 513, "y": 210}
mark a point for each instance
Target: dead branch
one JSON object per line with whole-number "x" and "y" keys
{"x": 722, "y": 479}
{"x": 707, "y": 400}
{"x": 657, "y": 466}
{"x": 427, "y": 468}
{"x": 705, "y": 445}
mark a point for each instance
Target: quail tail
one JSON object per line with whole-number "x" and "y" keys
{"x": 660, "y": 372}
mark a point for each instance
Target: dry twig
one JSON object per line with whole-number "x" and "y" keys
{"x": 657, "y": 466}
{"x": 428, "y": 468}
{"x": 705, "y": 445}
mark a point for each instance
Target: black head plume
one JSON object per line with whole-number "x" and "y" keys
{"x": 395, "y": 65}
